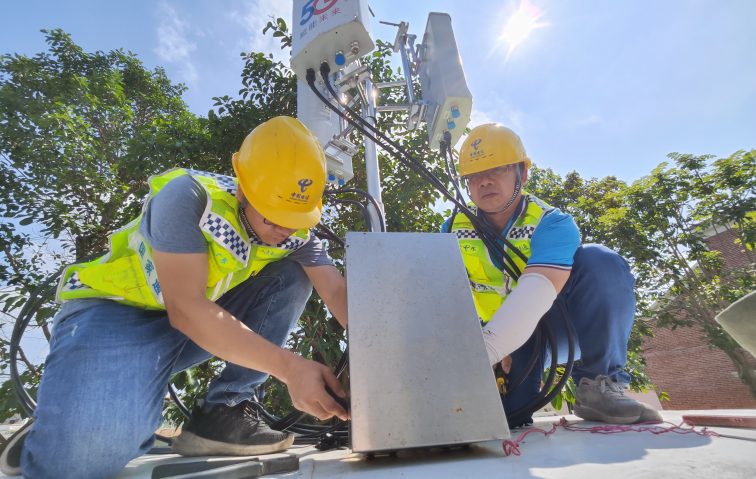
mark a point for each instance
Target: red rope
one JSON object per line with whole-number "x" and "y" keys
{"x": 512, "y": 447}
{"x": 654, "y": 427}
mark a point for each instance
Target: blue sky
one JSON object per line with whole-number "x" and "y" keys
{"x": 604, "y": 88}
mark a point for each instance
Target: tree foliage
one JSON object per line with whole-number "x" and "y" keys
{"x": 660, "y": 224}
{"x": 72, "y": 168}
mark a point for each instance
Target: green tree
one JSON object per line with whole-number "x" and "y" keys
{"x": 76, "y": 133}
{"x": 726, "y": 196}
{"x": 660, "y": 226}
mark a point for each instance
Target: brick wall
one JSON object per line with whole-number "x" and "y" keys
{"x": 682, "y": 365}
{"x": 724, "y": 240}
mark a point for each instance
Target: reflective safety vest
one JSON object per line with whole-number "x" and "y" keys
{"x": 126, "y": 274}
{"x": 490, "y": 285}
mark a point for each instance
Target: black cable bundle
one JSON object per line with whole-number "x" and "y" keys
{"x": 490, "y": 238}
{"x": 29, "y": 311}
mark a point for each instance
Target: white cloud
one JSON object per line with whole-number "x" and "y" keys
{"x": 174, "y": 47}
{"x": 253, "y": 17}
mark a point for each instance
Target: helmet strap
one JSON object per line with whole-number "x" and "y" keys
{"x": 250, "y": 231}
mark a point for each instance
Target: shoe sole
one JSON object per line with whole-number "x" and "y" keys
{"x": 592, "y": 415}
{"x": 14, "y": 442}
{"x": 651, "y": 415}
{"x": 188, "y": 444}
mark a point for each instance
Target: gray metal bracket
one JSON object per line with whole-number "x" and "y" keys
{"x": 351, "y": 79}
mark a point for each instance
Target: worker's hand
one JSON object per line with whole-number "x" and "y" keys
{"x": 506, "y": 364}
{"x": 306, "y": 381}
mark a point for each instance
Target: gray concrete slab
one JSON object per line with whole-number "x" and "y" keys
{"x": 563, "y": 454}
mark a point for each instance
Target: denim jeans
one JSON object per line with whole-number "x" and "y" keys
{"x": 106, "y": 377}
{"x": 600, "y": 300}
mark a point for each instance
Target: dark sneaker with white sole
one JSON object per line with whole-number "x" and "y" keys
{"x": 602, "y": 399}
{"x": 10, "y": 454}
{"x": 229, "y": 431}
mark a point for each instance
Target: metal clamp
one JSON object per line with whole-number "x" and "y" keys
{"x": 352, "y": 79}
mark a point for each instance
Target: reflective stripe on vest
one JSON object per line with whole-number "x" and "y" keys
{"x": 127, "y": 273}
{"x": 490, "y": 285}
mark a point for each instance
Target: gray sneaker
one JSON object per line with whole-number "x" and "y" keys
{"x": 604, "y": 400}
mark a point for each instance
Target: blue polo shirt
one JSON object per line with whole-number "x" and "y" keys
{"x": 554, "y": 242}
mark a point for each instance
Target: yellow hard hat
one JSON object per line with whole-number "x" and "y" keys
{"x": 282, "y": 171}
{"x": 488, "y": 146}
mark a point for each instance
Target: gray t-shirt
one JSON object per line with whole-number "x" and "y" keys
{"x": 171, "y": 224}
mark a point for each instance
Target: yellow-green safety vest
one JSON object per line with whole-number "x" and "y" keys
{"x": 126, "y": 274}
{"x": 490, "y": 285}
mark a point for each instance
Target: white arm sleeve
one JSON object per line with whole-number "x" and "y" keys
{"x": 516, "y": 319}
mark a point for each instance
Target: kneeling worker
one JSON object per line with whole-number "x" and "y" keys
{"x": 214, "y": 266}
{"x": 593, "y": 281}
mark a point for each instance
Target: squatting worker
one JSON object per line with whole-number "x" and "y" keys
{"x": 214, "y": 266}
{"x": 593, "y": 281}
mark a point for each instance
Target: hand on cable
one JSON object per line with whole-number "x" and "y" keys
{"x": 516, "y": 319}
{"x": 506, "y": 365}
{"x": 306, "y": 381}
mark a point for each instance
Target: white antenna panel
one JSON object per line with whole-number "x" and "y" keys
{"x": 443, "y": 82}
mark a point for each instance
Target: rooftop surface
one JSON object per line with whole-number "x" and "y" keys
{"x": 563, "y": 454}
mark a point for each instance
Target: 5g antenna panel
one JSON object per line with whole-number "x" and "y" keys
{"x": 443, "y": 82}
{"x": 336, "y": 31}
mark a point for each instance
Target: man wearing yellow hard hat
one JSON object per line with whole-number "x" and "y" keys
{"x": 594, "y": 282}
{"x": 214, "y": 266}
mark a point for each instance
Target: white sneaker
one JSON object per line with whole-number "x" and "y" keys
{"x": 604, "y": 400}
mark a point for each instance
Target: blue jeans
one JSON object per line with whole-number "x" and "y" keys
{"x": 106, "y": 377}
{"x": 600, "y": 300}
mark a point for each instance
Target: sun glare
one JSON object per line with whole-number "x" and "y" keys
{"x": 518, "y": 28}
{"x": 520, "y": 25}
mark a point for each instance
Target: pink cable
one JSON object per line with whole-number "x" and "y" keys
{"x": 512, "y": 447}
